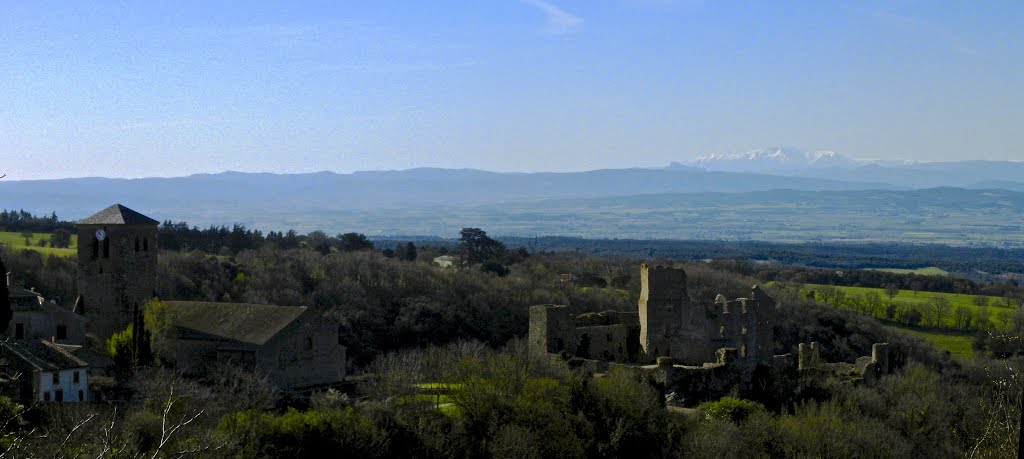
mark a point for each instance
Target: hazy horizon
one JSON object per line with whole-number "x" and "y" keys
{"x": 130, "y": 90}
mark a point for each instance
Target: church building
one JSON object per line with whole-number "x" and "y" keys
{"x": 117, "y": 269}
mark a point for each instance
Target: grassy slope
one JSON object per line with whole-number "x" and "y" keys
{"x": 957, "y": 343}
{"x": 14, "y": 241}
{"x": 929, "y": 271}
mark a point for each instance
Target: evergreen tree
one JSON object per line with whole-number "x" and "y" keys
{"x": 410, "y": 251}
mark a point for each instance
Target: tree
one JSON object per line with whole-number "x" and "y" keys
{"x": 913, "y": 317}
{"x": 351, "y": 242}
{"x": 938, "y": 308}
{"x": 962, "y": 317}
{"x": 980, "y": 300}
{"x": 982, "y": 319}
{"x": 891, "y": 290}
{"x": 873, "y": 303}
{"x": 61, "y": 238}
{"x": 318, "y": 240}
{"x": 410, "y": 251}
{"x": 28, "y": 237}
{"x": 477, "y": 247}
{"x": 6, "y": 313}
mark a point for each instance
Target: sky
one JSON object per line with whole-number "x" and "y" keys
{"x": 151, "y": 88}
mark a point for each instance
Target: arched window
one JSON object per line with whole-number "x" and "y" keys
{"x": 95, "y": 247}
{"x": 137, "y": 245}
{"x": 145, "y": 244}
{"x": 106, "y": 247}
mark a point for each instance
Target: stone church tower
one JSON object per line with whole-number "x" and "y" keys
{"x": 117, "y": 262}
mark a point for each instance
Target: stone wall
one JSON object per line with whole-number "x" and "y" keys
{"x": 305, "y": 353}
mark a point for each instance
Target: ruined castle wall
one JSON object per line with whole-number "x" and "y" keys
{"x": 603, "y": 342}
{"x": 552, "y": 330}
{"x": 662, "y": 298}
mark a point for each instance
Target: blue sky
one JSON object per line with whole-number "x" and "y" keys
{"x": 131, "y": 89}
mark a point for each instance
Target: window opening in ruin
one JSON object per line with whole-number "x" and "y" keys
{"x": 56, "y": 377}
{"x": 309, "y": 343}
{"x": 81, "y": 396}
{"x": 583, "y": 347}
{"x": 19, "y": 331}
{"x": 58, "y": 395}
{"x": 137, "y": 245}
{"x": 62, "y": 332}
{"x": 145, "y": 244}
{"x": 74, "y": 377}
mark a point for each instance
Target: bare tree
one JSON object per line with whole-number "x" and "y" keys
{"x": 962, "y": 317}
{"x": 938, "y": 308}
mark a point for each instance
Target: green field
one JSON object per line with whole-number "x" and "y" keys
{"x": 957, "y": 343}
{"x": 929, "y": 271}
{"x": 997, "y": 307}
{"x": 15, "y": 241}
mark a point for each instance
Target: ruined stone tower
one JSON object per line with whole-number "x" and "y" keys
{"x": 117, "y": 262}
{"x": 662, "y": 298}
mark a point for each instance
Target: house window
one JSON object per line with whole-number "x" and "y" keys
{"x": 309, "y": 343}
{"x": 46, "y": 396}
{"x": 137, "y": 247}
{"x": 19, "y": 331}
{"x": 145, "y": 244}
{"x": 62, "y": 332}
{"x": 74, "y": 377}
{"x": 106, "y": 247}
{"x": 95, "y": 247}
{"x": 58, "y": 395}
{"x": 56, "y": 378}
{"x": 81, "y": 396}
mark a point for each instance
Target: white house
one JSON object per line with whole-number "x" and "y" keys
{"x": 45, "y": 371}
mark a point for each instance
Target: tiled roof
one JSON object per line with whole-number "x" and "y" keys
{"x": 118, "y": 215}
{"x": 44, "y": 355}
{"x": 243, "y": 323}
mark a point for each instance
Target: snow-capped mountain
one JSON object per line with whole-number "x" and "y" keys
{"x": 775, "y": 159}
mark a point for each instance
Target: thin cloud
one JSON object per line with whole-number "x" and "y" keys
{"x": 558, "y": 20}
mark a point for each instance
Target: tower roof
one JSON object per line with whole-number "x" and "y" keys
{"x": 117, "y": 215}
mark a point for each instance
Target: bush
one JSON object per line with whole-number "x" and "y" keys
{"x": 730, "y": 408}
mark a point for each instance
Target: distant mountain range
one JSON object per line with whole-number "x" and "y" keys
{"x": 822, "y": 198}
{"x": 830, "y": 165}
{"x": 775, "y": 159}
{"x": 217, "y": 198}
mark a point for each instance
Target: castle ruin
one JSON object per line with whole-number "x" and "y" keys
{"x": 702, "y": 350}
